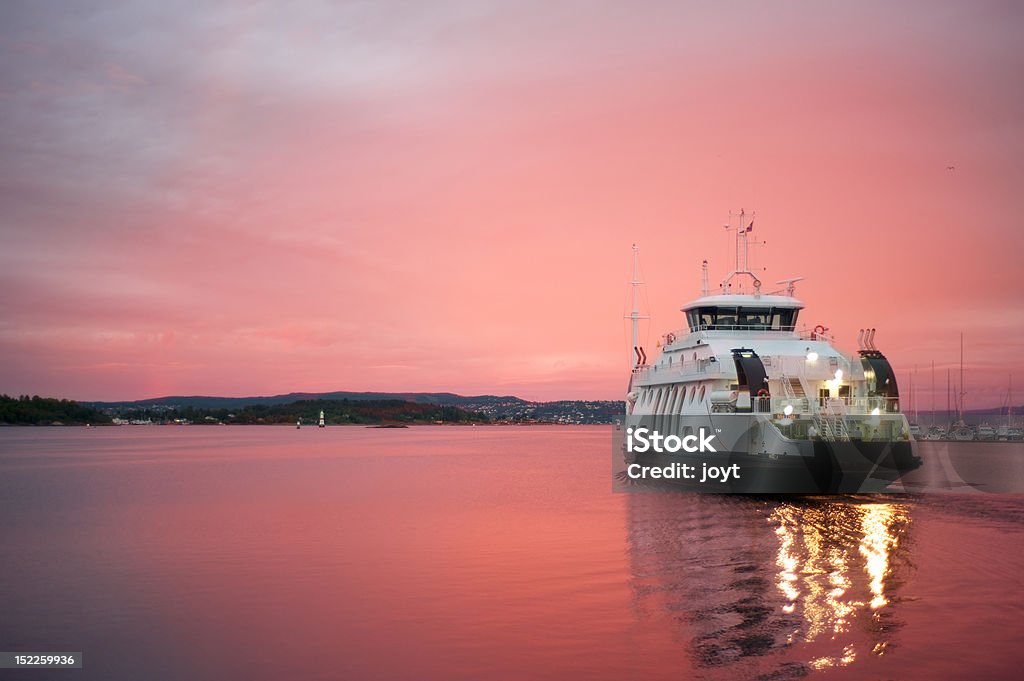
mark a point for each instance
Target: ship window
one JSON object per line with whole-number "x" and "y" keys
{"x": 725, "y": 317}
{"x": 783, "y": 319}
{"x": 743, "y": 318}
{"x": 753, "y": 317}
{"x": 702, "y": 393}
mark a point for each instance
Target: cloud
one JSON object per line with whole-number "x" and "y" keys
{"x": 247, "y": 197}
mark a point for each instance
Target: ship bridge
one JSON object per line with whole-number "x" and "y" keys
{"x": 737, "y": 312}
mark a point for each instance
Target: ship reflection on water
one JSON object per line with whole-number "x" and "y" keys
{"x": 771, "y": 588}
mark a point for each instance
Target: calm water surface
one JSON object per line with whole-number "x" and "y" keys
{"x": 469, "y": 553}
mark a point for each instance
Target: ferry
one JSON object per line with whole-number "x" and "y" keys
{"x": 788, "y": 409}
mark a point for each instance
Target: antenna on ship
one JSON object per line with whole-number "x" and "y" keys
{"x": 742, "y": 254}
{"x": 704, "y": 289}
{"x": 638, "y": 353}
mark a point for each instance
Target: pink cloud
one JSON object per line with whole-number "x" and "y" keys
{"x": 453, "y": 211}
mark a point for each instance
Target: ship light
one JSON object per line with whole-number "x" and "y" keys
{"x": 788, "y": 410}
{"x": 812, "y": 356}
{"x": 839, "y": 375}
{"x": 875, "y": 419}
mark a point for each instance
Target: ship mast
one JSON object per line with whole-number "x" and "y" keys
{"x": 742, "y": 255}
{"x": 637, "y": 356}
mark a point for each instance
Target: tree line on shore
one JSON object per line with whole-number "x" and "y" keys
{"x": 336, "y": 412}
{"x": 44, "y": 411}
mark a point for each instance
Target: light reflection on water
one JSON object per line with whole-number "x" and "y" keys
{"x": 819, "y": 573}
{"x": 793, "y": 585}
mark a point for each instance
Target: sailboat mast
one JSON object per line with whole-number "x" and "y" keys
{"x": 912, "y": 408}
{"x": 1009, "y": 400}
{"x": 963, "y": 392}
{"x": 949, "y": 410}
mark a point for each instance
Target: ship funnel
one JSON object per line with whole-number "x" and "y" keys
{"x": 870, "y": 341}
{"x": 860, "y": 339}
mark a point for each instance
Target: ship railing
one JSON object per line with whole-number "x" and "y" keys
{"x": 833, "y": 406}
{"x": 811, "y": 334}
{"x": 777, "y": 405}
{"x": 800, "y": 366}
{"x": 680, "y": 369}
{"x": 739, "y": 327}
{"x": 868, "y": 405}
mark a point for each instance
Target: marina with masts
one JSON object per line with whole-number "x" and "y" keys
{"x": 953, "y": 426}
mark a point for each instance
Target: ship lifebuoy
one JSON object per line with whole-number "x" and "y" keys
{"x": 819, "y": 330}
{"x": 670, "y": 338}
{"x": 762, "y": 393}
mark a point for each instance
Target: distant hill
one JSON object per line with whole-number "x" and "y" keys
{"x": 336, "y": 412}
{"x": 497, "y": 408}
{"x": 212, "y": 402}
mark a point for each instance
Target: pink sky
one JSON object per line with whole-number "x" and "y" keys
{"x": 442, "y": 196}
